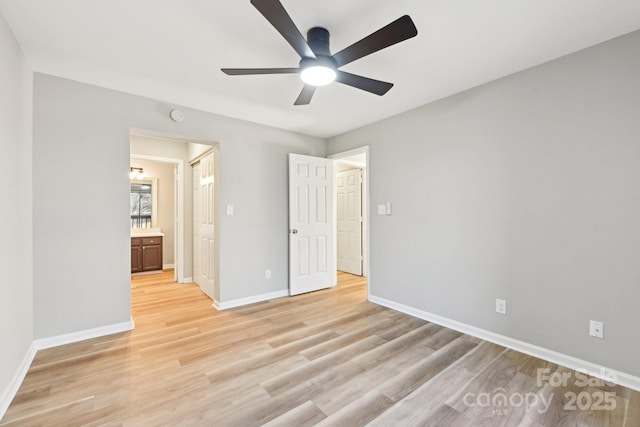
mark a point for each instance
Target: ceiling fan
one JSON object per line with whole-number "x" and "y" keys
{"x": 317, "y": 66}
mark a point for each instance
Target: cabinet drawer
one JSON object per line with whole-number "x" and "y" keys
{"x": 151, "y": 241}
{"x": 137, "y": 241}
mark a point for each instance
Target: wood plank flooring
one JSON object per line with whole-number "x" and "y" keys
{"x": 327, "y": 358}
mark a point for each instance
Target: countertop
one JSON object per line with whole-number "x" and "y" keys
{"x": 146, "y": 232}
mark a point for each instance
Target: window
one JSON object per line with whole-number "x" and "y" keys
{"x": 141, "y": 205}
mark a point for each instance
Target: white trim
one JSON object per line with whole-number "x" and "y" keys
{"x": 590, "y": 368}
{"x": 349, "y": 153}
{"x": 43, "y": 343}
{"x": 187, "y": 280}
{"x": 167, "y": 266}
{"x": 358, "y": 165}
{"x": 250, "y": 300}
{"x": 12, "y": 388}
{"x": 200, "y": 156}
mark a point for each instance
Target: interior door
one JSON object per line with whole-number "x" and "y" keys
{"x": 208, "y": 214}
{"x": 349, "y": 220}
{"x": 312, "y": 263}
{"x": 203, "y": 225}
{"x": 197, "y": 226}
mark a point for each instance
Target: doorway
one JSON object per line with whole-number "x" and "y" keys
{"x": 313, "y": 227}
{"x": 167, "y": 201}
{"x": 352, "y": 211}
{"x": 349, "y": 218}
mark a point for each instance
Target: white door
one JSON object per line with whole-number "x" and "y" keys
{"x": 312, "y": 263}
{"x": 349, "y": 220}
{"x": 204, "y": 217}
{"x": 197, "y": 226}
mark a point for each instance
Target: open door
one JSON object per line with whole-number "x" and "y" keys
{"x": 203, "y": 225}
{"x": 349, "y": 221}
{"x": 312, "y": 262}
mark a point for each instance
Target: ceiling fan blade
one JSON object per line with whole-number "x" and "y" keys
{"x": 305, "y": 96}
{"x": 252, "y": 71}
{"x": 399, "y": 30}
{"x": 370, "y": 85}
{"x": 280, "y": 19}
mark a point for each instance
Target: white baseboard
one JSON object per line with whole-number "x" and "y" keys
{"x": 590, "y": 368}
{"x": 250, "y": 300}
{"x": 168, "y": 266}
{"x": 187, "y": 280}
{"x": 11, "y": 389}
{"x": 42, "y": 343}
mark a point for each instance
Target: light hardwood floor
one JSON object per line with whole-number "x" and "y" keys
{"x": 325, "y": 358}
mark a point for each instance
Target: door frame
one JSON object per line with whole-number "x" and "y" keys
{"x": 367, "y": 203}
{"x": 179, "y": 209}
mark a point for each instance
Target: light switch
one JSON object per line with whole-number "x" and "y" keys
{"x": 382, "y": 210}
{"x": 388, "y": 208}
{"x": 230, "y": 210}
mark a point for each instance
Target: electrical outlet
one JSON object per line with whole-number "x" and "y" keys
{"x": 267, "y": 274}
{"x": 596, "y": 329}
{"x": 501, "y": 306}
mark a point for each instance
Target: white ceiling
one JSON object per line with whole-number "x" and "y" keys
{"x": 173, "y": 50}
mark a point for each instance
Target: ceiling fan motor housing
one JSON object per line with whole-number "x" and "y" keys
{"x": 318, "y": 40}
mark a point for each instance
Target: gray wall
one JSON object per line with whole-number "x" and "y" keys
{"x": 16, "y": 257}
{"x": 81, "y": 229}
{"x": 527, "y": 189}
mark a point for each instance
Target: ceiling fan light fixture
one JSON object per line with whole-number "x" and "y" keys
{"x": 318, "y": 67}
{"x": 318, "y": 75}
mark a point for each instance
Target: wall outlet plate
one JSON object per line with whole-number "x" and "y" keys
{"x": 267, "y": 274}
{"x": 596, "y": 329}
{"x": 501, "y": 306}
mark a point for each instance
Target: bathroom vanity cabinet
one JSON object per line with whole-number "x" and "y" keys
{"x": 146, "y": 254}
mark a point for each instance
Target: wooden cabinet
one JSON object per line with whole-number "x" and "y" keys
{"x": 151, "y": 253}
{"x": 146, "y": 254}
{"x": 136, "y": 255}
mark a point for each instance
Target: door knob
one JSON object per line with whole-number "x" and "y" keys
{"x": 294, "y": 231}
